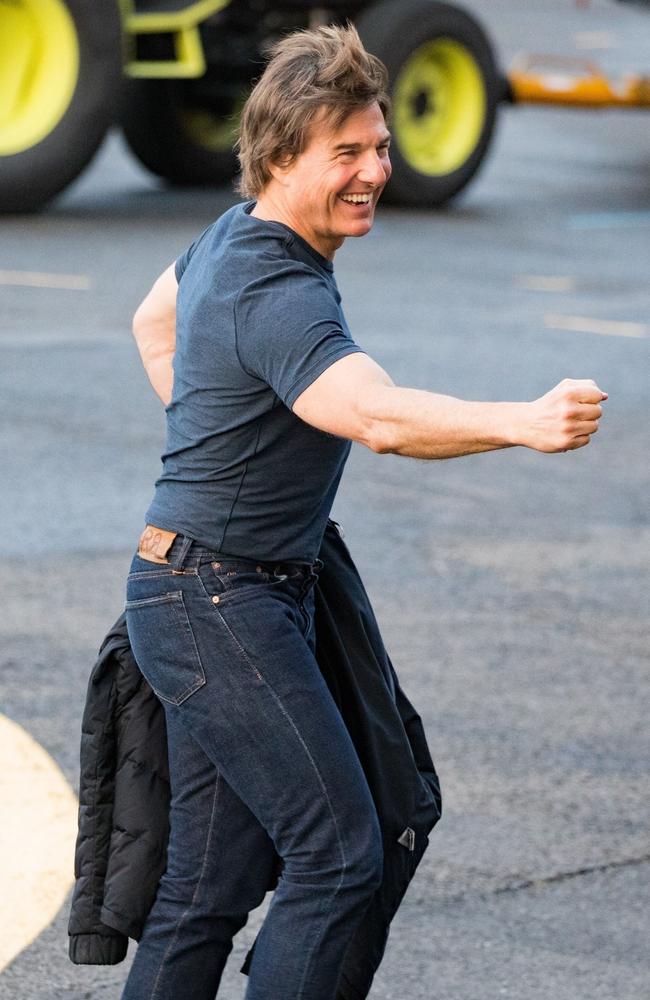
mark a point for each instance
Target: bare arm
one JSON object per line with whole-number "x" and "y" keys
{"x": 355, "y": 398}
{"x": 154, "y": 329}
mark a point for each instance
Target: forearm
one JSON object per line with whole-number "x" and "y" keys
{"x": 156, "y": 345}
{"x": 423, "y": 424}
{"x": 154, "y": 329}
{"x": 161, "y": 375}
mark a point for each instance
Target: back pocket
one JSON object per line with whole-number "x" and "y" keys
{"x": 164, "y": 646}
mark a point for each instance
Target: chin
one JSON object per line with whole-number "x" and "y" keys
{"x": 362, "y": 228}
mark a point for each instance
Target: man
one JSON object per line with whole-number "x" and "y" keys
{"x": 267, "y": 392}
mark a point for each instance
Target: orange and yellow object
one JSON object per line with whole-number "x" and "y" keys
{"x": 572, "y": 82}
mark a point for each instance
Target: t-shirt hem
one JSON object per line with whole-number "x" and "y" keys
{"x": 151, "y": 517}
{"x": 218, "y": 547}
{"x": 321, "y": 365}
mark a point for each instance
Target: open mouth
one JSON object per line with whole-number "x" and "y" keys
{"x": 356, "y": 199}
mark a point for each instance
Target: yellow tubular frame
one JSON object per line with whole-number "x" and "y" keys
{"x": 183, "y": 25}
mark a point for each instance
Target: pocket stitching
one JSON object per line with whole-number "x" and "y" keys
{"x": 152, "y": 574}
{"x": 175, "y": 598}
{"x": 230, "y": 593}
{"x": 172, "y": 595}
{"x": 184, "y": 621}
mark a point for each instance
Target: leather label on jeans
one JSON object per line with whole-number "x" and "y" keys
{"x": 155, "y": 543}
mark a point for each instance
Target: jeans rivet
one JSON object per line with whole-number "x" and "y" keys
{"x": 258, "y": 569}
{"x": 215, "y": 600}
{"x": 216, "y": 565}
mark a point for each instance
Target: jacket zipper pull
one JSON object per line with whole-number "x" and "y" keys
{"x": 407, "y": 839}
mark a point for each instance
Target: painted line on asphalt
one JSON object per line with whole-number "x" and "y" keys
{"x": 545, "y": 282}
{"x": 609, "y": 220}
{"x": 590, "y": 40}
{"x": 37, "y": 839}
{"x": 42, "y": 279}
{"x": 605, "y": 327}
{"x": 11, "y": 342}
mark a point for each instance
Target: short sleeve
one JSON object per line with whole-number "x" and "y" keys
{"x": 182, "y": 262}
{"x": 290, "y": 329}
{"x": 184, "y": 259}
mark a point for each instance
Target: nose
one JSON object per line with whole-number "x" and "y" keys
{"x": 374, "y": 169}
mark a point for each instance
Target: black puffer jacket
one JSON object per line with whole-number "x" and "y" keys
{"x": 124, "y": 785}
{"x": 123, "y": 806}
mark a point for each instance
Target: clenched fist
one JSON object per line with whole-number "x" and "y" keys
{"x": 564, "y": 418}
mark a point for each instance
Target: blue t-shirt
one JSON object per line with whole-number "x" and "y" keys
{"x": 258, "y": 319}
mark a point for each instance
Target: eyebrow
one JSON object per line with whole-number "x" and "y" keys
{"x": 357, "y": 145}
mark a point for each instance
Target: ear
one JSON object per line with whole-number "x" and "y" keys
{"x": 280, "y": 169}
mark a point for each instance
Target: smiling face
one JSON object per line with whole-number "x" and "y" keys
{"x": 331, "y": 189}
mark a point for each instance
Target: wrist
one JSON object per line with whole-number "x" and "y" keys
{"x": 514, "y": 421}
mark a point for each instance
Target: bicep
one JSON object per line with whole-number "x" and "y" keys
{"x": 340, "y": 400}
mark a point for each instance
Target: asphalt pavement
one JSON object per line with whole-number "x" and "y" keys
{"x": 511, "y": 587}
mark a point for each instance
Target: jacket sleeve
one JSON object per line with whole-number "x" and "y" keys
{"x": 414, "y": 728}
{"x": 124, "y": 796}
{"x": 137, "y": 854}
{"x": 91, "y": 941}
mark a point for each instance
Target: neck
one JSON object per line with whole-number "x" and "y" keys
{"x": 272, "y": 207}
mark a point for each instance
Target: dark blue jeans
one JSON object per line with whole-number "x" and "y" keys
{"x": 262, "y": 768}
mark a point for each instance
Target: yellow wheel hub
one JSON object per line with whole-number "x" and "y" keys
{"x": 439, "y": 107}
{"x": 39, "y": 67}
{"x": 212, "y": 132}
{"x": 208, "y": 131}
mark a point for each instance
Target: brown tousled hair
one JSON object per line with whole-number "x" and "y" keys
{"x": 310, "y": 71}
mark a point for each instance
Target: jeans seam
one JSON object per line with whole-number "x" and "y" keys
{"x": 301, "y": 988}
{"x": 197, "y": 888}
{"x": 320, "y": 780}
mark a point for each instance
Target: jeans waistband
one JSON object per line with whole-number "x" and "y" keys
{"x": 186, "y": 552}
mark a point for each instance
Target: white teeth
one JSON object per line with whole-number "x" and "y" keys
{"x": 356, "y": 199}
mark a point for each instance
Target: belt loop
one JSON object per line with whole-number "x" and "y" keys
{"x": 178, "y": 559}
